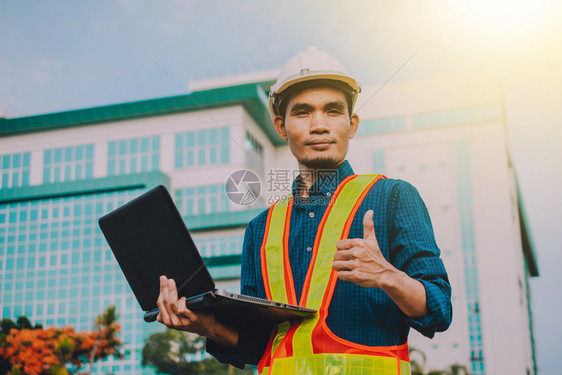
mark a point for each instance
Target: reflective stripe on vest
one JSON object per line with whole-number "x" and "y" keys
{"x": 308, "y": 346}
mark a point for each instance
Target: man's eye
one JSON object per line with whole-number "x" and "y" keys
{"x": 300, "y": 113}
{"x": 335, "y": 112}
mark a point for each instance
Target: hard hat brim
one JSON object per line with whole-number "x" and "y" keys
{"x": 351, "y": 82}
{"x": 347, "y": 84}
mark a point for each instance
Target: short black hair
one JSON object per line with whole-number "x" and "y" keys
{"x": 345, "y": 89}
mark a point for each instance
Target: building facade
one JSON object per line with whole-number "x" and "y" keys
{"x": 60, "y": 172}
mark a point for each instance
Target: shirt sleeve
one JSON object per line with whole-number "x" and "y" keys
{"x": 414, "y": 250}
{"x": 252, "y": 339}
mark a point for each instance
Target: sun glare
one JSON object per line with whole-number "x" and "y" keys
{"x": 505, "y": 17}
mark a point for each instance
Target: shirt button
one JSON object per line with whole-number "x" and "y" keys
{"x": 311, "y": 214}
{"x": 309, "y": 249}
{"x": 329, "y": 194}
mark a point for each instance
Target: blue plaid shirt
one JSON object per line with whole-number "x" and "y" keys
{"x": 362, "y": 315}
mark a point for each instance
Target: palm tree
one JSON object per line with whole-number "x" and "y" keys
{"x": 457, "y": 369}
{"x": 172, "y": 352}
{"x": 107, "y": 328}
{"x": 418, "y": 361}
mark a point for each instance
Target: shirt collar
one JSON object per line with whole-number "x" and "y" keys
{"x": 327, "y": 180}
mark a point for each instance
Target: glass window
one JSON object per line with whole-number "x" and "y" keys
{"x": 14, "y": 170}
{"x": 16, "y": 160}
{"x": 201, "y": 147}
{"x": 254, "y": 154}
{"x": 6, "y": 164}
{"x": 202, "y": 200}
{"x": 46, "y": 275}
{"x": 58, "y": 155}
{"x": 133, "y": 156}
{"x": 68, "y": 164}
{"x": 378, "y": 160}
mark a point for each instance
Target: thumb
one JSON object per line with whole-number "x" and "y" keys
{"x": 369, "y": 227}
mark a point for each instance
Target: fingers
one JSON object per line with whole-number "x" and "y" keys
{"x": 368, "y": 234}
{"x": 172, "y": 303}
{"x": 173, "y": 312}
{"x": 347, "y": 270}
{"x": 344, "y": 265}
{"x": 182, "y": 309}
{"x": 346, "y": 259}
{"x": 369, "y": 227}
{"x": 162, "y": 300}
{"x": 349, "y": 243}
{"x": 172, "y": 291}
{"x": 344, "y": 255}
{"x": 348, "y": 276}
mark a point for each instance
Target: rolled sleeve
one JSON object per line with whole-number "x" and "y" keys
{"x": 439, "y": 312}
{"x": 224, "y": 354}
{"x": 252, "y": 341}
{"x": 414, "y": 251}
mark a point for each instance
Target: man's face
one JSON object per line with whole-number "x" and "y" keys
{"x": 318, "y": 127}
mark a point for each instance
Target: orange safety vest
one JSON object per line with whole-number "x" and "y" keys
{"x": 308, "y": 346}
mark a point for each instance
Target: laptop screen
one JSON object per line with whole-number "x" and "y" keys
{"x": 149, "y": 238}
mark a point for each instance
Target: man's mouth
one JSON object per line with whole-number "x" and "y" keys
{"x": 320, "y": 143}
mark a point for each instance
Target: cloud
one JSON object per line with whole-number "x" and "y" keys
{"x": 97, "y": 28}
{"x": 43, "y": 70}
{"x": 10, "y": 103}
{"x": 127, "y": 4}
{"x": 170, "y": 26}
{"x": 6, "y": 74}
{"x": 40, "y": 77}
{"x": 46, "y": 62}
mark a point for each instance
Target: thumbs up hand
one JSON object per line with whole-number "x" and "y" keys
{"x": 360, "y": 260}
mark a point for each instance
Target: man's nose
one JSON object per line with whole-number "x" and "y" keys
{"x": 318, "y": 123}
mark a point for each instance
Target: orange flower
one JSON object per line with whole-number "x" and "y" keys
{"x": 36, "y": 351}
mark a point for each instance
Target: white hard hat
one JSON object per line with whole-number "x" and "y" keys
{"x": 311, "y": 65}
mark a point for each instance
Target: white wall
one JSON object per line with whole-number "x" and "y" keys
{"x": 165, "y": 126}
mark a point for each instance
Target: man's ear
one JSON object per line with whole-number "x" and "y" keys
{"x": 353, "y": 125}
{"x": 279, "y": 123}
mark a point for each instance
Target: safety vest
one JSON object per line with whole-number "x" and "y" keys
{"x": 308, "y": 346}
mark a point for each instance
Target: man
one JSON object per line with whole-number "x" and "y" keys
{"x": 359, "y": 249}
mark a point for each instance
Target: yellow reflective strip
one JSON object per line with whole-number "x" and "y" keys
{"x": 331, "y": 234}
{"x": 274, "y": 262}
{"x": 336, "y": 363}
{"x": 404, "y": 368}
{"x": 274, "y": 251}
{"x": 333, "y": 228}
{"x": 302, "y": 339}
{"x": 282, "y": 329}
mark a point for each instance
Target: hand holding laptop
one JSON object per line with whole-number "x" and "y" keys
{"x": 175, "y": 314}
{"x": 149, "y": 238}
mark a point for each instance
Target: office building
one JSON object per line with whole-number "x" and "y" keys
{"x": 447, "y": 136}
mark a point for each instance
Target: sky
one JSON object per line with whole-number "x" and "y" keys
{"x": 62, "y": 55}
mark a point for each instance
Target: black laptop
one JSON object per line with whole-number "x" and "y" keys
{"x": 149, "y": 238}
